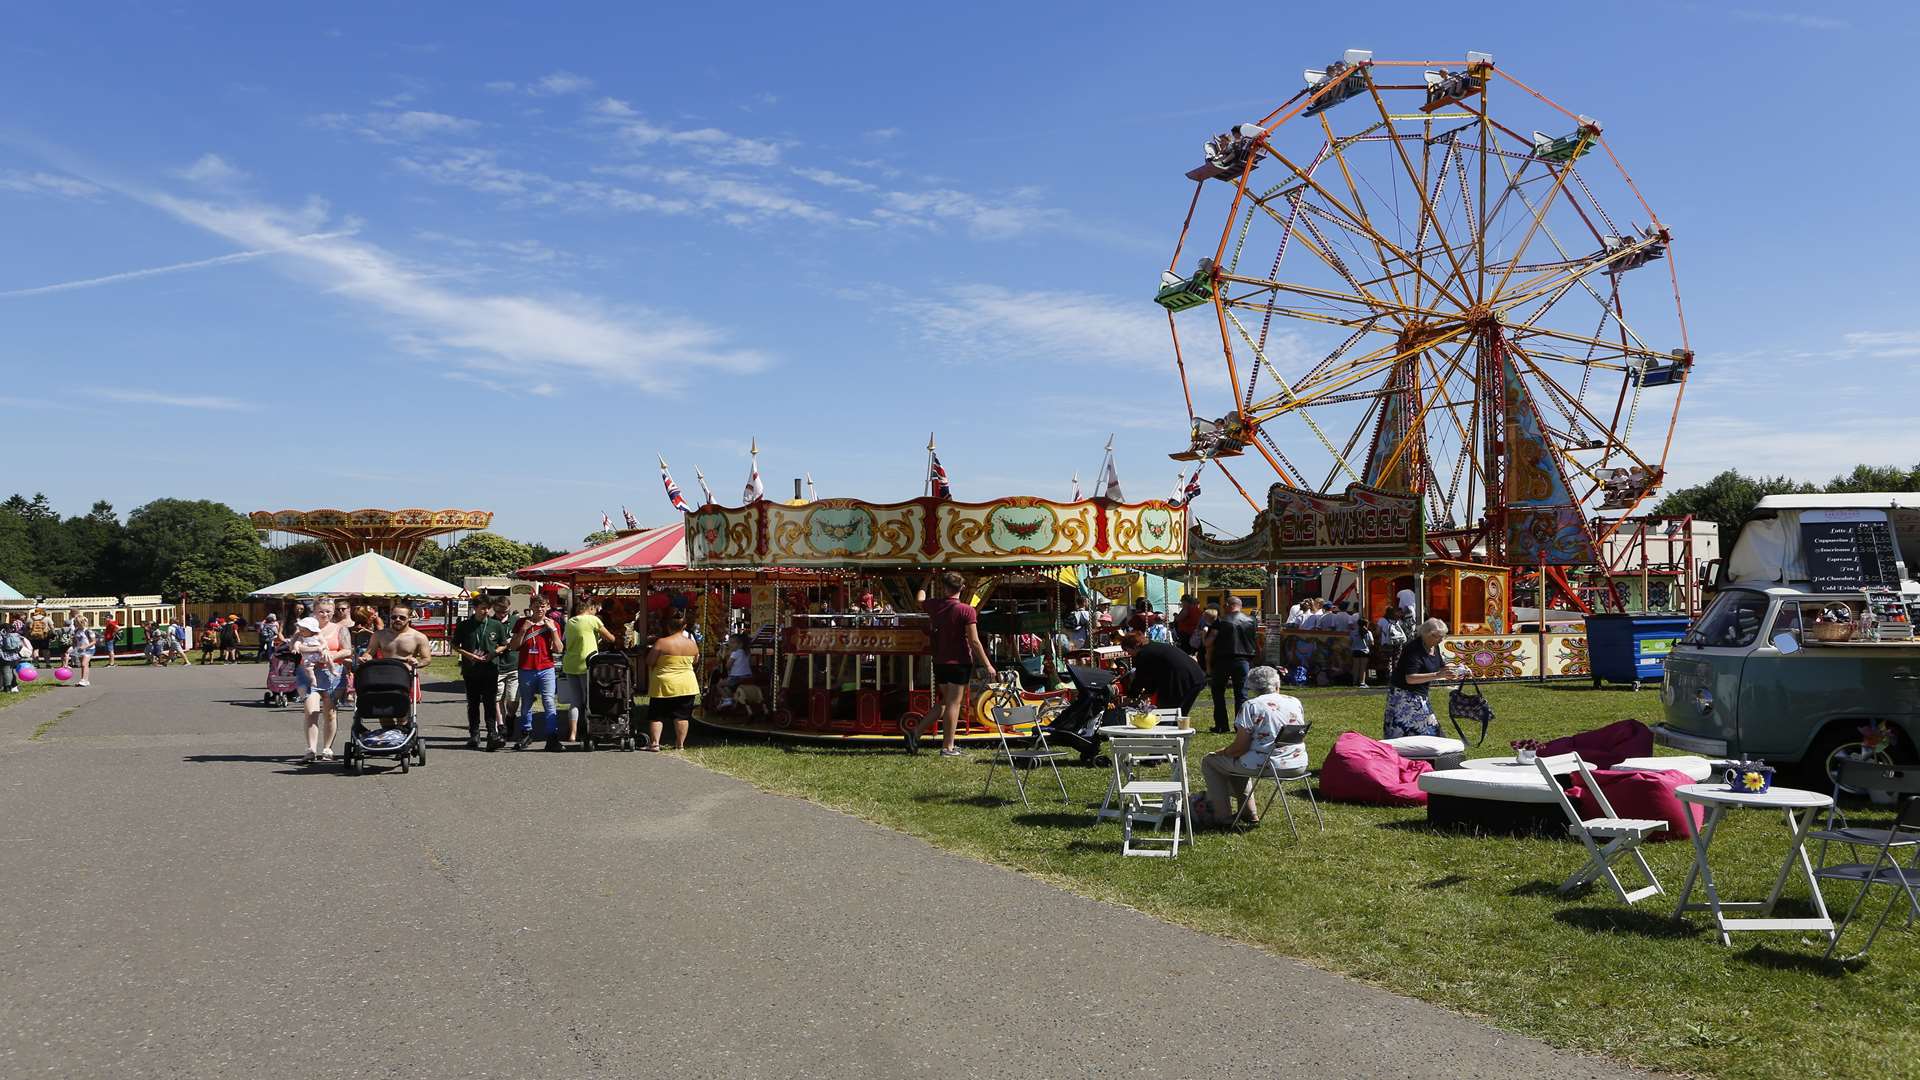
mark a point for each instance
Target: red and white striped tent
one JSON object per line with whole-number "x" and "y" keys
{"x": 637, "y": 551}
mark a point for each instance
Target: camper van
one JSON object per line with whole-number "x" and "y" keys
{"x": 1808, "y": 638}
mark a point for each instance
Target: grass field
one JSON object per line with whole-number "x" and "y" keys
{"x": 1472, "y": 923}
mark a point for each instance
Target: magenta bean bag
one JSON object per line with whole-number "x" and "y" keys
{"x": 1603, "y": 748}
{"x": 1364, "y": 770}
{"x": 1645, "y": 793}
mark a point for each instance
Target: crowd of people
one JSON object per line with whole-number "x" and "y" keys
{"x": 34, "y": 637}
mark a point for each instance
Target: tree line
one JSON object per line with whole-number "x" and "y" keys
{"x": 192, "y": 547}
{"x": 1729, "y": 499}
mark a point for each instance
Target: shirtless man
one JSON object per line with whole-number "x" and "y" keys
{"x": 401, "y": 641}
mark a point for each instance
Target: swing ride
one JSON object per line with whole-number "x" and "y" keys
{"x": 1427, "y": 279}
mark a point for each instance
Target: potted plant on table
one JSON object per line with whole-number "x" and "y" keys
{"x": 1526, "y": 751}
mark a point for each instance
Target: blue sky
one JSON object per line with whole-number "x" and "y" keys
{"x": 304, "y": 259}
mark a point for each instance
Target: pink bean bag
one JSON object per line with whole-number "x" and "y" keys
{"x": 1645, "y": 793}
{"x": 1603, "y": 748}
{"x": 1364, "y": 770}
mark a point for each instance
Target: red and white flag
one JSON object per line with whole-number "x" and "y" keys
{"x": 628, "y": 514}
{"x": 705, "y": 491}
{"x": 1076, "y": 488}
{"x": 755, "y": 490}
{"x": 1110, "y": 482}
{"x": 673, "y": 490}
{"x": 606, "y": 522}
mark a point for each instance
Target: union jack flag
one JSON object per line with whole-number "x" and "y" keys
{"x": 673, "y": 491}
{"x": 1190, "y": 492}
{"x": 937, "y": 477}
{"x": 628, "y": 514}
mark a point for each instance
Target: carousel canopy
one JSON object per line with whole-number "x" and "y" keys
{"x": 371, "y": 574}
{"x": 635, "y": 552}
{"x": 8, "y": 592}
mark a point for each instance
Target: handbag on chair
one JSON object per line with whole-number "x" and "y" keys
{"x": 1466, "y": 702}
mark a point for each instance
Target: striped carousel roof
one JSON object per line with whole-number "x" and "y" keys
{"x": 635, "y": 552}
{"x": 371, "y": 574}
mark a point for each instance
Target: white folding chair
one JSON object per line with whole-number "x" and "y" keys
{"x": 1290, "y": 735}
{"x": 1885, "y": 869}
{"x": 1145, "y": 801}
{"x": 1622, "y": 836}
{"x": 1008, "y": 712}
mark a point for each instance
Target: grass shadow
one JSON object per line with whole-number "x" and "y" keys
{"x": 1054, "y": 819}
{"x": 1777, "y": 959}
{"x": 1619, "y": 920}
{"x": 1446, "y": 882}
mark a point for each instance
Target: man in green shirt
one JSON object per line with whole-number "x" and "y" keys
{"x": 480, "y": 641}
{"x": 584, "y": 634}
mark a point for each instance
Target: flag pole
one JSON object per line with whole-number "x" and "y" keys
{"x": 926, "y": 481}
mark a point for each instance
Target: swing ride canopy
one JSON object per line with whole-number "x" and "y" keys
{"x": 396, "y": 534}
{"x": 369, "y": 574}
{"x": 933, "y": 533}
{"x": 1425, "y": 278}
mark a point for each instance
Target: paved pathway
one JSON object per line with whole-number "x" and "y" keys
{"x": 182, "y": 900}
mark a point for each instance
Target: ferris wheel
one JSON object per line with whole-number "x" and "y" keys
{"x": 1407, "y": 276}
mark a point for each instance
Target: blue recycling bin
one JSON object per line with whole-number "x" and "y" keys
{"x": 1631, "y": 648}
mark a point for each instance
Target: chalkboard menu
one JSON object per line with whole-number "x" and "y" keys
{"x": 1849, "y": 550}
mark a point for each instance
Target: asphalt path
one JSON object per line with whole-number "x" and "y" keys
{"x": 182, "y": 899}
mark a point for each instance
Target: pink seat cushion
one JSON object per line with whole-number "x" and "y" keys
{"x": 1603, "y": 748}
{"x": 1644, "y": 793}
{"x": 1364, "y": 770}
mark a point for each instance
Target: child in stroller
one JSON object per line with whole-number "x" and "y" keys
{"x": 383, "y": 693}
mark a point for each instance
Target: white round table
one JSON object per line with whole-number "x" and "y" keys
{"x": 1512, "y": 762}
{"x": 1798, "y": 807}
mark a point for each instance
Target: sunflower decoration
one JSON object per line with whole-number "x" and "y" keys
{"x": 1753, "y": 780}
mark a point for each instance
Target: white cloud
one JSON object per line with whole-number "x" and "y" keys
{"x": 882, "y": 134}
{"x": 44, "y": 183}
{"x": 1794, "y": 19}
{"x": 480, "y": 170}
{"x": 524, "y": 335}
{"x": 829, "y": 178}
{"x": 412, "y": 125}
{"x": 502, "y": 86}
{"x": 990, "y": 220}
{"x": 1884, "y": 344}
{"x": 1032, "y": 328}
{"x": 211, "y": 169}
{"x": 634, "y": 132}
{"x": 177, "y": 401}
{"x": 560, "y": 82}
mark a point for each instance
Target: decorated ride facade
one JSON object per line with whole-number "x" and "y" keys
{"x": 849, "y": 655}
{"x": 1369, "y": 545}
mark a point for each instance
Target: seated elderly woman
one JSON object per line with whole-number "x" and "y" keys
{"x": 1256, "y": 741}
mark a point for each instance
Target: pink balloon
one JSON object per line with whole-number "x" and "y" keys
{"x": 28, "y": 673}
{"x": 63, "y": 673}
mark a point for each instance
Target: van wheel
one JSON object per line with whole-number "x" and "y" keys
{"x": 1821, "y": 766}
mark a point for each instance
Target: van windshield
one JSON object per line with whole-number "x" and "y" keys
{"x": 1733, "y": 620}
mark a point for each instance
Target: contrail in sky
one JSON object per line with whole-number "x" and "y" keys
{"x": 154, "y": 271}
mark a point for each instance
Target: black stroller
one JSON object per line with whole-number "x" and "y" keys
{"x": 1078, "y": 725}
{"x": 609, "y": 708}
{"x": 383, "y": 692}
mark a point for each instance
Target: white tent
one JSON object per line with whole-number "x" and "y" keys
{"x": 371, "y": 574}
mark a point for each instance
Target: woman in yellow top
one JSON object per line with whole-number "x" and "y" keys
{"x": 673, "y": 684}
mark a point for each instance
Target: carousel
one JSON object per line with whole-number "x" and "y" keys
{"x": 841, "y": 648}
{"x": 397, "y": 534}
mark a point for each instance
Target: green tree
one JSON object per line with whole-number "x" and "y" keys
{"x": 1876, "y": 478}
{"x": 485, "y": 554}
{"x": 538, "y": 552}
{"x": 1728, "y": 500}
{"x": 431, "y": 559}
{"x": 599, "y": 536}
{"x": 1235, "y": 577}
{"x": 295, "y": 559}
{"x": 163, "y": 534}
{"x": 88, "y": 564}
{"x": 17, "y": 565}
{"x": 231, "y": 566}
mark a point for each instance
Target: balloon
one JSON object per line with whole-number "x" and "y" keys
{"x": 28, "y": 673}
{"x": 63, "y": 673}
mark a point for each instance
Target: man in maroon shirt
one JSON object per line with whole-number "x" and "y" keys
{"x": 956, "y": 645}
